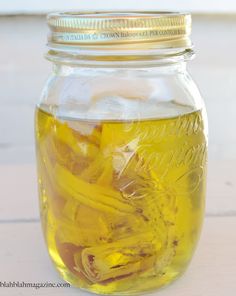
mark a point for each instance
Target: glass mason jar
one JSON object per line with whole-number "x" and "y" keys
{"x": 121, "y": 150}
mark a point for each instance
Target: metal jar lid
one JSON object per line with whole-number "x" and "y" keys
{"x": 162, "y": 29}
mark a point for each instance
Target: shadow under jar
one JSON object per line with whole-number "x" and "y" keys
{"x": 121, "y": 150}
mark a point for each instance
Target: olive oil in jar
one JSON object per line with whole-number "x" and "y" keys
{"x": 121, "y": 201}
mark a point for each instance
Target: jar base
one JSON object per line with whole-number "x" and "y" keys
{"x": 152, "y": 284}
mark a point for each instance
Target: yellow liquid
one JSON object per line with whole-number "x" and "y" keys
{"x": 122, "y": 202}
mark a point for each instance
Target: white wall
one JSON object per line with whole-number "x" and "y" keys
{"x": 23, "y": 71}
{"x": 29, "y": 6}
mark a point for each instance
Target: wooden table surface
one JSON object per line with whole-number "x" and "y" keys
{"x": 23, "y": 255}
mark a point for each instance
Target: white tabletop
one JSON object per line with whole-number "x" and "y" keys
{"x": 24, "y": 258}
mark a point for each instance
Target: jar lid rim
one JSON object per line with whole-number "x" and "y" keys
{"x": 119, "y": 27}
